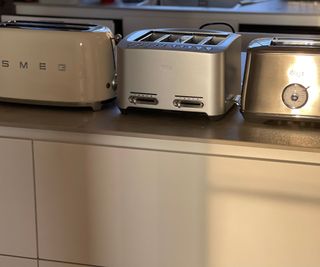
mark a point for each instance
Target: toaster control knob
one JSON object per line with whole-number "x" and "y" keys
{"x": 295, "y": 95}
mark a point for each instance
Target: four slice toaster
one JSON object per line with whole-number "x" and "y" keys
{"x": 179, "y": 70}
{"x": 186, "y": 70}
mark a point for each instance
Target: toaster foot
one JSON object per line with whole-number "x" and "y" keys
{"x": 123, "y": 111}
{"x": 96, "y": 106}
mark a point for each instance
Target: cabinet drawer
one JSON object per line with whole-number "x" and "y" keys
{"x": 118, "y": 207}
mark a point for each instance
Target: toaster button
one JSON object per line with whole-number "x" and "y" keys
{"x": 295, "y": 96}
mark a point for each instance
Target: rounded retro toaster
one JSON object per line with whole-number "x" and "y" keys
{"x": 186, "y": 70}
{"x": 56, "y": 63}
{"x": 282, "y": 80}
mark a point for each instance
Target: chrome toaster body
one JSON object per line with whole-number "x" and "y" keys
{"x": 282, "y": 80}
{"x": 179, "y": 70}
{"x": 56, "y": 63}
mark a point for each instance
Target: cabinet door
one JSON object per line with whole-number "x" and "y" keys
{"x": 17, "y": 262}
{"x": 17, "y": 200}
{"x": 119, "y": 207}
{"x": 263, "y": 213}
{"x": 58, "y": 264}
{"x": 124, "y": 207}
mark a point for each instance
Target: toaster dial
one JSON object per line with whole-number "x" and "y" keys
{"x": 295, "y": 96}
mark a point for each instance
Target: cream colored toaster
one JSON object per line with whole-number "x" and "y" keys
{"x": 56, "y": 63}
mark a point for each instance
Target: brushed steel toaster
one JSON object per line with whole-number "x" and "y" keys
{"x": 56, "y": 63}
{"x": 282, "y": 80}
{"x": 179, "y": 70}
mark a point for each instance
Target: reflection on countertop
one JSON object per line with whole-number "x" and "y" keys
{"x": 164, "y": 125}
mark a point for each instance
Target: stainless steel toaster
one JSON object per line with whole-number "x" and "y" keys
{"x": 56, "y": 63}
{"x": 282, "y": 80}
{"x": 179, "y": 70}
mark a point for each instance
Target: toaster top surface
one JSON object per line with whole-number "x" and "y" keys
{"x": 180, "y": 39}
{"x": 53, "y": 26}
{"x": 286, "y": 44}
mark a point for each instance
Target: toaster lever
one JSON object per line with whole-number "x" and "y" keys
{"x": 114, "y": 41}
{"x": 182, "y": 103}
{"x": 114, "y": 83}
{"x": 143, "y": 100}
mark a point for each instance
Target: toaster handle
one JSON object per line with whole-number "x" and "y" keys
{"x": 114, "y": 41}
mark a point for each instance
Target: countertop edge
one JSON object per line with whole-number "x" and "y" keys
{"x": 206, "y": 147}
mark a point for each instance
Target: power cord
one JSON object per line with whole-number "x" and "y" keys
{"x": 218, "y": 23}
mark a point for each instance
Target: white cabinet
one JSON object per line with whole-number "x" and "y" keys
{"x": 58, "y": 264}
{"x": 17, "y": 199}
{"x": 121, "y": 207}
{"x": 262, "y": 213}
{"x": 17, "y": 262}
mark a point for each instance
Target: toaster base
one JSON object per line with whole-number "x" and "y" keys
{"x": 177, "y": 112}
{"x": 95, "y": 106}
{"x": 273, "y": 117}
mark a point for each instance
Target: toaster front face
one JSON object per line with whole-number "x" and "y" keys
{"x": 171, "y": 80}
{"x": 63, "y": 67}
{"x": 281, "y": 84}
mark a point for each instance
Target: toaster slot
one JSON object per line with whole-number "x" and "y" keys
{"x": 158, "y": 37}
{"x": 169, "y": 38}
{"x": 143, "y": 100}
{"x": 215, "y": 40}
{"x": 205, "y": 40}
{"x": 196, "y": 39}
{"x": 47, "y": 25}
{"x": 151, "y": 37}
{"x": 184, "y": 103}
{"x": 294, "y": 42}
{"x": 163, "y": 38}
{"x": 184, "y": 39}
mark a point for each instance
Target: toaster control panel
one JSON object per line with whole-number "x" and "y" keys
{"x": 295, "y": 96}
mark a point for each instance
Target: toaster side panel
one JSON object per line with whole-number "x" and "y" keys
{"x": 232, "y": 72}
